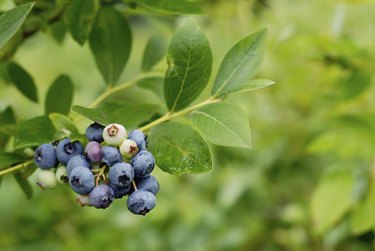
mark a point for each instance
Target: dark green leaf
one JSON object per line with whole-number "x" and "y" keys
{"x": 58, "y": 31}
{"x": 23, "y": 81}
{"x": 189, "y": 66}
{"x": 156, "y": 49}
{"x": 11, "y": 21}
{"x": 223, "y": 124}
{"x": 60, "y": 96}
{"x": 7, "y": 119}
{"x": 253, "y": 84}
{"x": 9, "y": 159}
{"x": 172, "y": 7}
{"x": 154, "y": 84}
{"x": 24, "y": 185}
{"x": 179, "y": 149}
{"x": 355, "y": 84}
{"x": 33, "y": 132}
{"x": 79, "y": 16}
{"x": 128, "y": 115}
{"x": 110, "y": 42}
{"x": 240, "y": 64}
{"x": 28, "y": 170}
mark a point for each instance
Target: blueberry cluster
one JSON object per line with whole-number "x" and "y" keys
{"x": 113, "y": 164}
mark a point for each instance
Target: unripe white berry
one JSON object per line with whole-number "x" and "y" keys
{"x": 128, "y": 148}
{"x": 114, "y": 134}
{"x": 46, "y": 179}
{"x": 83, "y": 201}
{"x": 61, "y": 175}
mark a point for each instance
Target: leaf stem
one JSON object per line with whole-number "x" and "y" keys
{"x": 123, "y": 86}
{"x": 16, "y": 167}
{"x": 172, "y": 115}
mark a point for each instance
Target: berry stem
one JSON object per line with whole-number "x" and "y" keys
{"x": 172, "y": 115}
{"x": 16, "y": 167}
{"x": 134, "y": 185}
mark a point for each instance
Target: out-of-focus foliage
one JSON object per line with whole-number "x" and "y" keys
{"x": 308, "y": 182}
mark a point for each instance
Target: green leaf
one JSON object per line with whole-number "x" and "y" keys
{"x": 9, "y": 159}
{"x": 23, "y": 81}
{"x": 251, "y": 85}
{"x": 63, "y": 124}
{"x": 189, "y": 66}
{"x": 156, "y": 49}
{"x": 60, "y": 96}
{"x": 331, "y": 199}
{"x": 223, "y": 124}
{"x": 240, "y": 64}
{"x": 11, "y": 21}
{"x": 362, "y": 219}
{"x": 126, "y": 114}
{"x": 24, "y": 185}
{"x": 7, "y": 119}
{"x": 58, "y": 31}
{"x": 179, "y": 149}
{"x": 33, "y": 132}
{"x": 154, "y": 84}
{"x": 110, "y": 42}
{"x": 171, "y": 7}
{"x": 80, "y": 16}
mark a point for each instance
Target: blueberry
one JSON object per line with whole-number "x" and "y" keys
{"x": 94, "y": 132}
{"x": 65, "y": 150}
{"x": 149, "y": 183}
{"x": 141, "y": 202}
{"x": 76, "y": 161}
{"x": 128, "y": 148}
{"x": 45, "y": 156}
{"x": 143, "y": 164}
{"x": 82, "y": 180}
{"x": 101, "y": 196}
{"x": 111, "y": 155}
{"x": 140, "y": 138}
{"x": 120, "y": 191}
{"x": 46, "y": 179}
{"x": 121, "y": 174}
{"x": 61, "y": 175}
{"x": 93, "y": 151}
{"x": 114, "y": 134}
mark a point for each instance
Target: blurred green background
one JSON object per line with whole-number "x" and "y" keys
{"x": 306, "y": 185}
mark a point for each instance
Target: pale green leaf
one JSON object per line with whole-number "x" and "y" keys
{"x": 189, "y": 66}
{"x": 223, "y": 124}
{"x": 179, "y": 149}
{"x": 240, "y": 64}
{"x": 171, "y": 7}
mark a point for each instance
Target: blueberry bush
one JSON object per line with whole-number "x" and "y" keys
{"x": 97, "y": 94}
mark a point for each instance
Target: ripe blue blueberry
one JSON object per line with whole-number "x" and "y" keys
{"x": 45, "y": 156}
{"x": 76, "y": 161}
{"x": 149, "y": 183}
{"x": 101, "y": 196}
{"x": 140, "y": 138}
{"x": 121, "y": 191}
{"x": 93, "y": 151}
{"x": 94, "y": 132}
{"x": 66, "y": 149}
{"x": 143, "y": 163}
{"x": 141, "y": 202}
{"x": 82, "y": 180}
{"x": 121, "y": 174}
{"x": 111, "y": 155}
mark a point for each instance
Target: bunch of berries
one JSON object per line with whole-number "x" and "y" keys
{"x": 119, "y": 161}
